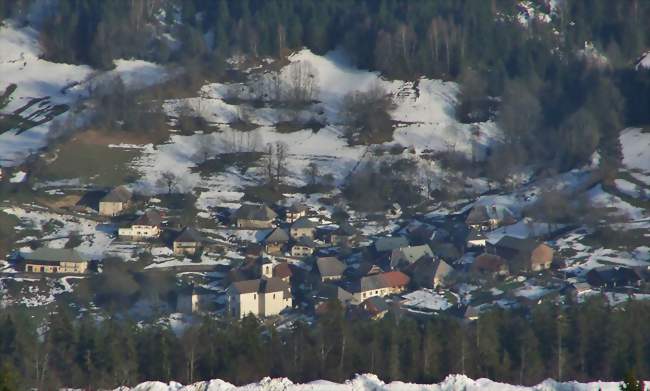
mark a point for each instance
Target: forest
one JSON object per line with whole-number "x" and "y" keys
{"x": 520, "y": 346}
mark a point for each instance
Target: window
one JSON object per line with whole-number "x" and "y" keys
{"x": 274, "y": 296}
{"x": 254, "y": 296}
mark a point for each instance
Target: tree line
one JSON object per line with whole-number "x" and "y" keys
{"x": 537, "y": 79}
{"x": 518, "y": 346}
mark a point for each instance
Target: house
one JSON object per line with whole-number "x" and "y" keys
{"x": 490, "y": 264}
{"x": 327, "y": 292}
{"x": 382, "y": 284}
{"x": 486, "y": 218}
{"x": 427, "y": 272}
{"x": 250, "y": 216}
{"x": 364, "y": 268}
{"x": 522, "y": 254}
{"x": 303, "y": 247}
{"x": 276, "y": 241}
{"x": 388, "y": 244}
{"x": 577, "y": 288}
{"x": 147, "y": 226}
{"x": 54, "y": 260}
{"x": 283, "y": 271}
{"x": 188, "y": 301}
{"x": 476, "y": 239}
{"x": 260, "y": 297}
{"x": 343, "y": 236}
{"x": 294, "y": 212}
{"x": 115, "y": 202}
{"x": 466, "y": 313}
{"x": 188, "y": 242}
{"x": 303, "y": 227}
{"x": 613, "y": 277}
{"x": 329, "y": 269}
{"x": 408, "y": 255}
{"x": 375, "y": 307}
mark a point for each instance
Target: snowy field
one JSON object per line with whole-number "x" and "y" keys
{"x": 43, "y": 85}
{"x": 368, "y": 382}
{"x": 636, "y": 153}
{"x": 424, "y": 111}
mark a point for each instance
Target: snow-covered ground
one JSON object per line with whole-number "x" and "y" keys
{"x": 643, "y": 62}
{"x": 54, "y": 83}
{"x": 369, "y": 382}
{"x": 636, "y": 153}
{"x": 425, "y": 111}
{"x": 426, "y": 299}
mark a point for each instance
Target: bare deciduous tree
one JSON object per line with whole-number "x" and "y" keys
{"x": 312, "y": 172}
{"x": 302, "y": 83}
{"x": 366, "y": 114}
{"x": 204, "y": 150}
{"x": 167, "y": 179}
{"x": 280, "y": 161}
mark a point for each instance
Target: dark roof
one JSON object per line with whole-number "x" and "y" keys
{"x": 376, "y": 304}
{"x": 615, "y": 275}
{"x": 390, "y": 243}
{"x": 522, "y": 245}
{"x": 483, "y": 213}
{"x": 489, "y": 262}
{"x": 255, "y": 212}
{"x": 46, "y": 254}
{"x": 475, "y": 235}
{"x": 189, "y": 234}
{"x": 273, "y": 285}
{"x": 282, "y": 270}
{"x": 297, "y": 208}
{"x": 330, "y": 267}
{"x": 305, "y": 241}
{"x": 303, "y": 222}
{"x": 344, "y": 229}
{"x": 365, "y": 268}
{"x": 409, "y": 254}
{"x": 278, "y": 235}
{"x": 426, "y": 269}
{"x": 118, "y": 194}
{"x": 465, "y": 311}
{"x": 267, "y": 285}
{"x": 150, "y": 218}
{"x": 247, "y": 286}
{"x": 331, "y": 291}
{"x": 381, "y": 280}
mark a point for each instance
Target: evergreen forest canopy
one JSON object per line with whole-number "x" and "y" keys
{"x": 510, "y": 346}
{"x": 534, "y": 77}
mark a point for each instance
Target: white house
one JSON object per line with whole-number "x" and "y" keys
{"x": 261, "y": 297}
{"x": 115, "y": 202}
{"x": 147, "y": 226}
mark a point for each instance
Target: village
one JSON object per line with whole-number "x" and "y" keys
{"x": 238, "y": 203}
{"x": 281, "y": 262}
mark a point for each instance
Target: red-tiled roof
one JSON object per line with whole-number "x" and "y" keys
{"x": 395, "y": 278}
{"x": 283, "y": 270}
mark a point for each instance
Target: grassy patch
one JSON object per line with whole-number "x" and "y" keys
{"x": 267, "y": 194}
{"x": 241, "y": 160}
{"x": 296, "y": 126}
{"x": 90, "y": 163}
{"x": 624, "y": 240}
{"x": 243, "y": 126}
{"x": 181, "y": 207}
{"x": 7, "y": 232}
